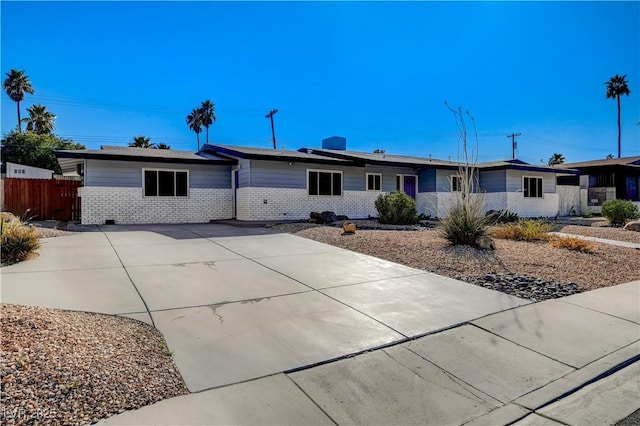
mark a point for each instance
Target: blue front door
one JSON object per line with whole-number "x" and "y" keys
{"x": 409, "y": 186}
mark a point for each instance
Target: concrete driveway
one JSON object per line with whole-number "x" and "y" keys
{"x": 241, "y": 303}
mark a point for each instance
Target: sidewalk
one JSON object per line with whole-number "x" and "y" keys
{"x": 574, "y": 360}
{"x": 598, "y": 240}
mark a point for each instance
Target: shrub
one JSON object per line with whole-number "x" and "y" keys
{"x": 18, "y": 241}
{"x": 464, "y": 223}
{"x": 396, "y": 208}
{"x": 618, "y": 212}
{"x": 524, "y": 230}
{"x": 572, "y": 243}
{"x": 502, "y": 216}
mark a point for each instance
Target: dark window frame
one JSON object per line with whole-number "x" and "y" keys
{"x": 168, "y": 183}
{"x": 455, "y": 183}
{"x": 324, "y": 183}
{"x": 532, "y": 191}
{"x": 376, "y": 183}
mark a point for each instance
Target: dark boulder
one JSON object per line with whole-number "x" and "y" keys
{"x": 329, "y": 217}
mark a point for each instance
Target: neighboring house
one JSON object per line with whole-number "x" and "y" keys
{"x": 20, "y": 171}
{"x": 141, "y": 185}
{"x": 608, "y": 179}
{"x": 526, "y": 189}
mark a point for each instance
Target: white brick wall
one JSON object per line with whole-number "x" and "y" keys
{"x": 127, "y": 205}
{"x": 296, "y": 204}
{"x": 438, "y": 204}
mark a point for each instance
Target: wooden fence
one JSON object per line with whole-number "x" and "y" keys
{"x": 43, "y": 199}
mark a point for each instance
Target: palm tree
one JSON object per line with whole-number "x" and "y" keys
{"x": 40, "y": 120}
{"x": 141, "y": 142}
{"x": 16, "y": 85}
{"x": 194, "y": 121}
{"x": 162, "y": 145}
{"x": 556, "y": 159}
{"x": 617, "y": 86}
{"x": 208, "y": 114}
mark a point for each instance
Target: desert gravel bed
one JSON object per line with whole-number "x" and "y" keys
{"x": 61, "y": 367}
{"x": 609, "y": 233}
{"x": 426, "y": 250}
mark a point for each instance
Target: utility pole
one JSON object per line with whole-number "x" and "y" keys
{"x": 514, "y": 144}
{"x": 273, "y": 132}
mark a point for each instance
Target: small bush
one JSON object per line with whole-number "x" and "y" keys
{"x": 618, "y": 212}
{"x": 572, "y": 243}
{"x": 18, "y": 241}
{"x": 396, "y": 208}
{"x": 587, "y": 214}
{"x": 463, "y": 226}
{"x": 524, "y": 230}
{"x": 502, "y": 216}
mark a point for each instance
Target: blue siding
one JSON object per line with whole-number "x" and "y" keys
{"x": 244, "y": 173}
{"x": 427, "y": 180}
{"x": 128, "y": 174}
{"x": 514, "y": 180}
{"x": 443, "y": 179}
{"x": 493, "y": 181}
{"x": 279, "y": 174}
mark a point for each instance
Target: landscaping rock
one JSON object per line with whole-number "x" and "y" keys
{"x": 523, "y": 286}
{"x": 485, "y": 243}
{"x": 315, "y": 217}
{"x": 329, "y": 217}
{"x": 349, "y": 228}
{"x": 633, "y": 226}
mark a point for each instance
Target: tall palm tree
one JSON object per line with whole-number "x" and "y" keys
{"x": 208, "y": 113}
{"x": 16, "y": 85}
{"x": 194, "y": 121}
{"x": 40, "y": 120}
{"x": 556, "y": 159}
{"x": 617, "y": 86}
{"x": 141, "y": 142}
{"x": 162, "y": 145}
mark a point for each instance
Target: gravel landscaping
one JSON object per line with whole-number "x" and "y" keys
{"x": 532, "y": 270}
{"x": 61, "y": 367}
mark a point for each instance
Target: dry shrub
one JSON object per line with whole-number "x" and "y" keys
{"x": 524, "y": 230}
{"x": 572, "y": 243}
{"x": 18, "y": 241}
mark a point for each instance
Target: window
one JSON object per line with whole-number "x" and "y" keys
{"x": 532, "y": 187}
{"x": 166, "y": 183}
{"x": 456, "y": 183}
{"x": 374, "y": 182}
{"x": 324, "y": 182}
{"x": 601, "y": 180}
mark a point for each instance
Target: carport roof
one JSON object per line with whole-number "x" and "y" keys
{"x": 144, "y": 155}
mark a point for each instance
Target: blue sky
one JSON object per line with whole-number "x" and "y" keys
{"x": 374, "y": 72}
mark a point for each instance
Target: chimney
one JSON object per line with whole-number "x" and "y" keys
{"x": 337, "y": 143}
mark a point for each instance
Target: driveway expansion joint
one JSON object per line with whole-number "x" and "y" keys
{"x": 126, "y": 271}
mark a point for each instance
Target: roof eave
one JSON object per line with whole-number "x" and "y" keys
{"x": 138, "y": 158}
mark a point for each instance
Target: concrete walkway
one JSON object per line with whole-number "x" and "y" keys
{"x": 263, "y": 327}
{"x": 598, "y": 240}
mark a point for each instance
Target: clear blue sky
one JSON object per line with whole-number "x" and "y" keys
{"x": 376, "y": 73}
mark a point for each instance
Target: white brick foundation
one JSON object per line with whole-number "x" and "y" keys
{"x": 296, "y": 204}
{"x": 438, "y": 204}
{"x": 127, "y": 205}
